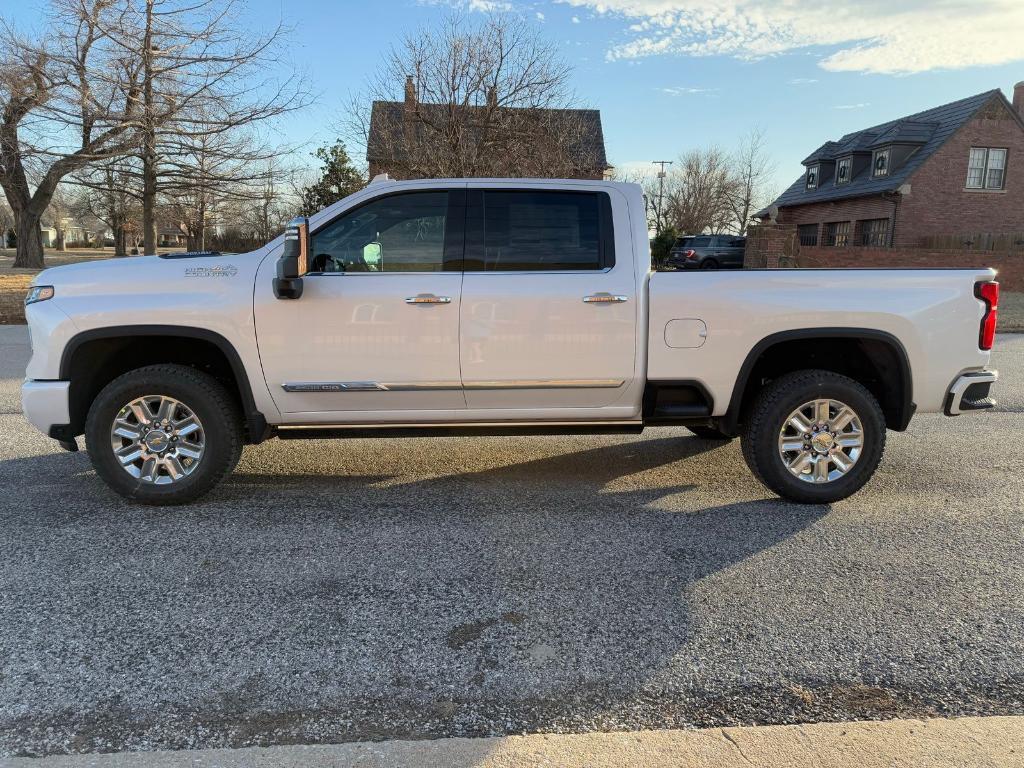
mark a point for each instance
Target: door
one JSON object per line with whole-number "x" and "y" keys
{"x": 377, "y": 326}
{"x": 549, "y": 309}
{"x": 728, "y": 250}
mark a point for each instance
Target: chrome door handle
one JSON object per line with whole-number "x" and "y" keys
{"x": 604, "y": 298}
{"x": 428, "y": 298}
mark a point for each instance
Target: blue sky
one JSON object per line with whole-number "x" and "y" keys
{"x": 670, "y": 75}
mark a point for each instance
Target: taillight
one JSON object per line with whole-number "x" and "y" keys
{"x": 988, "y": 293}
{"x": 690, "y": 254}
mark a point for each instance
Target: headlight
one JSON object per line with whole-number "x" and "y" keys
{"x": 39, "y": 293}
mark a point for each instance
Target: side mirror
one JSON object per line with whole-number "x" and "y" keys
{"x": 372, "y": 256}
{"x": 294, "y": 262}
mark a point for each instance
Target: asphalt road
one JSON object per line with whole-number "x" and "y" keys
{"x": 369, "y": 589}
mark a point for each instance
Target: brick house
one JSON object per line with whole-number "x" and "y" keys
{"x": 414, "y": 139}
{"x": 953, "y": 172}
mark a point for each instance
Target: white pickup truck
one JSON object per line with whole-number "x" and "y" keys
{"x": 492, "y": 306}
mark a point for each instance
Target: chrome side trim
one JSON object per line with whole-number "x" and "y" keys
{"x": 416, "y": 386}
{"x": 367, "y": 386}
{"x": 330, "y": 386}
{"x": 546, "y": 384}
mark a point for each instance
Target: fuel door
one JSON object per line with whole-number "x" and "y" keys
{"x": 685, "y": 333}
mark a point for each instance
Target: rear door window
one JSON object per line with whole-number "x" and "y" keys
{"x": 537, "y": 230}
{"x": 700, "y": 242}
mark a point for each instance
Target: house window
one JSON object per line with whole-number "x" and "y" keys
{"x": 837, "y": 234}
{"x": 880, "y": 163}
{"x": 808, "y": 234}
{"x": 986, "y": 168}
{"x": 812, "y": 177}
{"x": 843, "y": 170}
{"x": 874, "y": 233}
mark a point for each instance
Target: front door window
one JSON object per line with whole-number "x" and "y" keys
{"x": 399, "y": 233}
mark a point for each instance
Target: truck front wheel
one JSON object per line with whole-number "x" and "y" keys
{"x": 163, "y": 434}
{"x": 814, "y": 436}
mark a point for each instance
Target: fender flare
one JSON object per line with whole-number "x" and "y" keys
{"x": 255, "y": 421}
{"x": 730, "y": 420}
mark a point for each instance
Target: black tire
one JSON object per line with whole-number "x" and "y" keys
{"x": 709, "y": 264}
{"x": 709, "y": 433}
{"x": 767, "y": 417}
{"x": 203, "y": 395}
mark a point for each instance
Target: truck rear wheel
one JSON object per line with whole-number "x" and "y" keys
{"x": 814, "y": 436}
{"x": 163, "y": 434}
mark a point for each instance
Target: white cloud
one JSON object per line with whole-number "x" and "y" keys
{"x": 575, "y": 19}
{"x": 540, "y": 16}
{"x": 684, "y": 91}
{"x": 877, "y": 36}
{"x": 861, "y": 105}
{"x": 484, "y": 6}
{"x": 802, "y": 81}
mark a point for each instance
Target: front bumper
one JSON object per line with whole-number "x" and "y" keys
{"x": 45, "y": 404}
{"x": 971, "y": 392}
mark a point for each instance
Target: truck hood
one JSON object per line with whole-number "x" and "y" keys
{"x": 181, "y": 290}
{"x": 128, "y": 268}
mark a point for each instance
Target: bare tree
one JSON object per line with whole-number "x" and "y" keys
{"x": 752, "y": 172}
{"x": 111, "y": 194}
{"x": 648, "y": 179}
{"x": 6, "y": 222}
{"x": 65, "y": 102}
{"x": 699, "y": 192}
{"x": 202, "y": 77}
{"x": 59, "y": 212}
{"x": 266, "y": 215}
{"x": 483, "y": 96}
{"x": 204, "y": 176}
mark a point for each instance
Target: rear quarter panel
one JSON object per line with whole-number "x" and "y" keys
{"x": 933, "y": 313}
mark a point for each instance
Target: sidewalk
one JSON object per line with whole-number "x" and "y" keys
{"x": 964, "y": 742}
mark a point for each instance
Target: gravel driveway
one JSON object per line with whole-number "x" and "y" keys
{"x": 367, "y": 589}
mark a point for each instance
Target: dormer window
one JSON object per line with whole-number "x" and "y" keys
{"x": 812, "y": 176}
{"x": 843, "y": 170}
{"x": 880, "y": 163}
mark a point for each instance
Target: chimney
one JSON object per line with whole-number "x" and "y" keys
{"x": 410, "y": 93}
{"x": 1018, "y": 98}
{"x": 492, "y": 98}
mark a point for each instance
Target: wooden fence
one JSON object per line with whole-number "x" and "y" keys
{"x": 976, "y": 241}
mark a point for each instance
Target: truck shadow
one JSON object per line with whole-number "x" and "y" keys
{"x": 495, "y": 595}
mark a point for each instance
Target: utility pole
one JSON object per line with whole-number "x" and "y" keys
{"x": 661, "y": 192}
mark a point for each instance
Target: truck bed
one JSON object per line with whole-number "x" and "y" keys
{"x": 705, "y": 325}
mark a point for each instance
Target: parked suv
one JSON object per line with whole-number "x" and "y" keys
{"x": 707, "y": 252}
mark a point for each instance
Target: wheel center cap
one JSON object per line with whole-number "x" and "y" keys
{"x": 822, "y": 442}
{"x": 156, "y": 440}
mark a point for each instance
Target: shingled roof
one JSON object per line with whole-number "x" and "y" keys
{"x": 929, "y": 130}
{"x": 389, "y": 121}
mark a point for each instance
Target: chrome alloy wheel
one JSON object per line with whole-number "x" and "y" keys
{"x": 157, "y": 439}
{"x": 821, "y": 441}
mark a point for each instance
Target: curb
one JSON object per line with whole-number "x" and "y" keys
{"x": 963, "y": 742}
